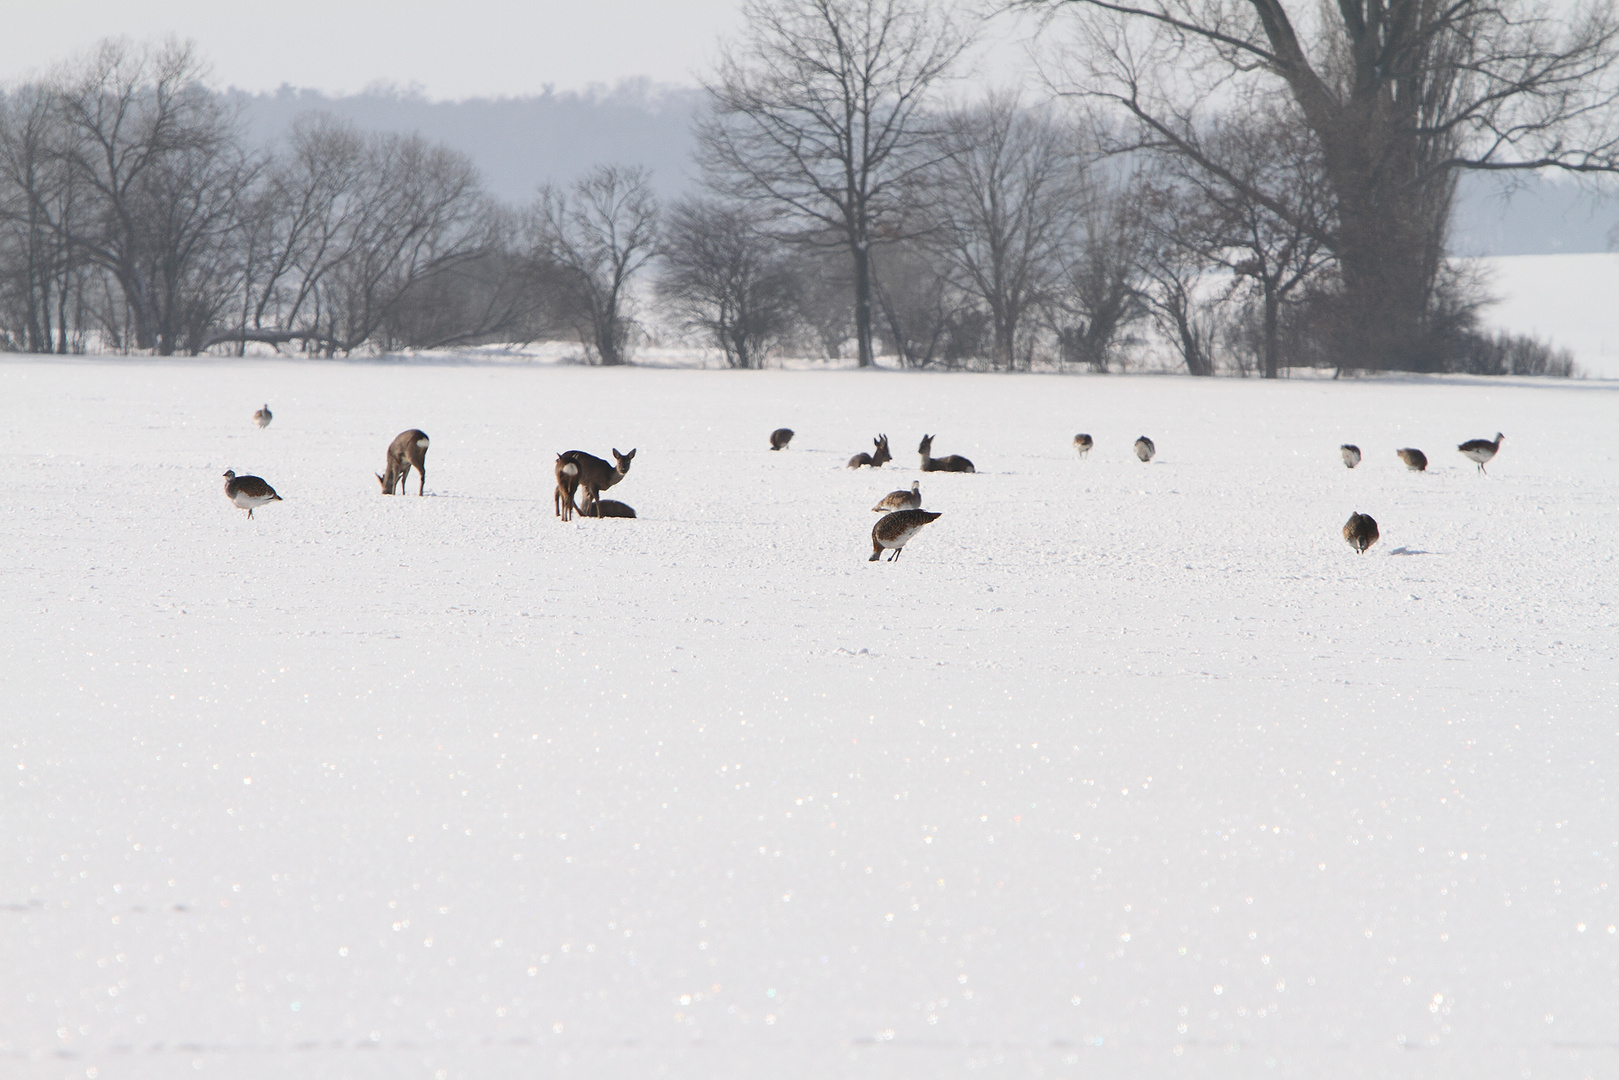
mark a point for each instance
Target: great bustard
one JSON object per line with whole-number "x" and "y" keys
{"x": 1481, "y": 450}
{"x": 895, "y": 531}
{"x": 1415, "y": 460}
{"x": 901, "y": 500}
{"x": 1361, "y": 531}
{"x": 248, "y": 491}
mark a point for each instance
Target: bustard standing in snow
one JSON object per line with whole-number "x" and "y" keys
{"x": 895, "y": 530}
{"x": 248, "y": 491}
{"x": 1481, "y": 450}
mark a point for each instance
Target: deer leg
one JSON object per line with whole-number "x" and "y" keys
{"x": 421, "y": 475}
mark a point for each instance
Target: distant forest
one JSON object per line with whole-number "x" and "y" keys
{"x": 831, "y": 192}
{"x": 520, "y": 143}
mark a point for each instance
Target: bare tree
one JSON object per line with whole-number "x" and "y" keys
{"x": 39, "y": 200}
{"x": 825, "y": 317}
{"x": 1100, "y": 295}
{"x": 165, "y": 172}
{"x": 600, "y": 234}
{"x": 915, "y": 301}
{"x": 1001, "y": 207}
{"x": 298, "y": 230}
{"x": 818, "y": 116}
{"x": 347, "y": 232}
{"x": 1201, "y": 224}
{"x": 725, "y": 277}
{"x": 420, "y": 212}
{"x": 1400, "y": 96}
{"x": 1174, "y": 264}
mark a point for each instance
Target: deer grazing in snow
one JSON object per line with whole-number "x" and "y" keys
{"x": 576, "y": 469}
{"x": 408, "y": 448}
{"x": 875, "y": 460}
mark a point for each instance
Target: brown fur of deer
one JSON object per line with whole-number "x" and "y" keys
{"x": 875, "y": 460}
{"x": 408, "y": 448}
{"x": 953, "y": 463}
{"x": 576, "y": 469}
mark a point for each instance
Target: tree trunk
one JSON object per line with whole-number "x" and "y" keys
{"x": 1003, "y": 357}
{"x": 862, "y": 300}
{"x": 1272, "y": 345}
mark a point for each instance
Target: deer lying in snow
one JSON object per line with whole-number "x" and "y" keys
{"x": 875, "y": 460}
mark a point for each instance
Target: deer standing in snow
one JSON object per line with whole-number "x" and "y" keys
{"x": 408, "y": 448}
{"x": 576, "y": 469}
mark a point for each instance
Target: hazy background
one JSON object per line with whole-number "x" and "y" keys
{"x": 540, "y": 91}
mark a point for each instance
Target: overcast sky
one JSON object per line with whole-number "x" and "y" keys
{"x": 450, "y": 49}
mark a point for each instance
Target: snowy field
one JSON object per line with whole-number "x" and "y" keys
{"x": 1567, "y": 300}
{"x": 1128, "y": 771}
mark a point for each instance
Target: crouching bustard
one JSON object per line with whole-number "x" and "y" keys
{"x": 901, "y": 500}
{"x": 1361, "y": 531}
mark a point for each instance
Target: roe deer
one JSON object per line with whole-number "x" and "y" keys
{"x": 408, "y": 448}
{"x": 613, "y": 508}
{"x": 1350, "y": 453}
{"x": 780, "y": 437}
{"x": 1414, "y": 459}
{"x": 953, "y": 463}
{"x": 875, "y": 460}
{"x": 577, "y": 469}
{"x": 248, "y": 492}
{"x": 262, "y": 417}
{"x": 1083, "y": 444}
{"x": 1145, "y": 449}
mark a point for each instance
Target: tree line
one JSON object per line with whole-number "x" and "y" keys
{"x": 1259, "y": 196}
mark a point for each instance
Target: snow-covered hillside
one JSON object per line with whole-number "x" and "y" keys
{"x": 1567, "y": 300}
{"x": 1122, "y": 770}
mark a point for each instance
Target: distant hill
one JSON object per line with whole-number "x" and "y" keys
{"x": 522, "y": 142}
{"x": 518, "y": 143}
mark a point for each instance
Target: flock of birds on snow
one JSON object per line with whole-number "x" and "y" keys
{"x": 903, "y": 516}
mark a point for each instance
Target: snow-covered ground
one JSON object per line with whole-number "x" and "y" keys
{"x": 1128, "y": 771}
{"x": 1568, "y": 300}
